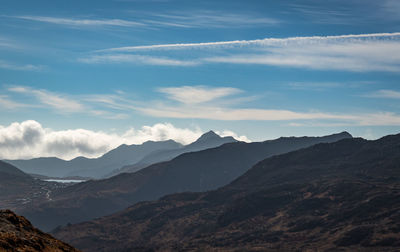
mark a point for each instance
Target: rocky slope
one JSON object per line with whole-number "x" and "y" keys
{"x": 17, "y": 234}
{"x": 342, "y": 196}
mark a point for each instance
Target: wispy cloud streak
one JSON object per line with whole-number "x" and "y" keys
{"x": 197, "y": 94}
{"x": 28, "y": 67}
{"x": 256, "y": 42}
{"x": 7, "y": 103}
{"x": 230, "y": 114}
{"x": 387, "y": 94}
{"x": 210, "y": 19}
{"x": 53, "y": 100}
{"x": 136, "y": 59}
{"x": 82, "y": 22}
{"x": 357, "y": 53}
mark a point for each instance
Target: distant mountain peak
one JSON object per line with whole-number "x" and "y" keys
{"x": 345, "y": 133}
{"x": 209, "y": 135}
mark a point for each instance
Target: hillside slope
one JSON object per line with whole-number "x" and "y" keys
{"x": 18, "y": 189}
{"x": 17, "y": 234}
{"x": 195, "y": 171}
{"x": 342, "y": 196}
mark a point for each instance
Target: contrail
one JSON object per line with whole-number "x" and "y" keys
{"x": 265, "y": 42}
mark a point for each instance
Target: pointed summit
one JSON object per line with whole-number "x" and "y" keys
{"x": 209, "y": 139}
{"x": 208, "y": 136}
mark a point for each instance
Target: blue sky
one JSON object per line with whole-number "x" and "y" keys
{"x": 133, "y": 70}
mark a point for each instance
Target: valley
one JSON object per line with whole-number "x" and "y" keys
{"x": 194, "y": 171}
{"x": 334, "y": 197}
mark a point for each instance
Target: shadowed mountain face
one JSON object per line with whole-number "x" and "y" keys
{"x": 206, "y": 141}
{"x": 195, "y": 171}
{"x": 96, "y": 167}
{"x": 342, "y": 196}
{"x": 17, "y": 234}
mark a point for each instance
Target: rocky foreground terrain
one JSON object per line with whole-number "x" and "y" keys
{"x": 17, "y": 234}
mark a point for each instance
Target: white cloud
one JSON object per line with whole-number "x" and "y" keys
{"x": 199, "y": 19}
{"x": 208, "y": 19}
{"x": 8, "y": 43}
{"x": 7, "y": 103}
{"x": 378, "y": 119}
{"x": 359, "y": 53}
{"x": 136, "y": 59}
{"x": 197, "y": 94}
{"x": 12, "y": 66}
{"x": 66, "y": 104}
{"x": 30, "y": 139}
{"x": 198, "y": 102}
{"x": 356, "y": 56}
{"x": 230, "y": 114}
{"x": 225, "y": 133}
{"x": 389, "y": 94}
{"x": 103, "y": 106}
{"x": 113, "y": 101}
{"x": 163, "y": 110}
{"x": 161, "y": 132}
{"x": 56, "y": 101}
{"x": 82, "y": 22}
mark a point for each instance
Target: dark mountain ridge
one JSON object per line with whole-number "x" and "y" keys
{"x": 193, "y": 171}
{"x": 340, "y": 196}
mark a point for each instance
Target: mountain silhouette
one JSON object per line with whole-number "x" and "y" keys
{"x": 194, "y": 171}
{"x": 208, "y": 140}
{"x": 93, "y": 167}
{"x": 341, "y": 196}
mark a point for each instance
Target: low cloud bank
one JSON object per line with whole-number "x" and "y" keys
{"x": 29, "y": 139}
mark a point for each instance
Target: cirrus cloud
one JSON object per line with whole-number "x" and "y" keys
{"x": 384, "y": 93}
{"x": 197, "y": 94}
{"x": 355, "y": 53}
{"x": 81, "y": 22}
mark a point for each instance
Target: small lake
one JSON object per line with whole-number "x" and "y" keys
{"x": 64, "y": 180}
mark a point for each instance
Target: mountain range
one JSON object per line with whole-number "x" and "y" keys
{"x": 205, "y": 141}
{"x": 194, "y": 171}
{"x": 110, "y": 163}
{"x": 340, "y": 196}
{"x": 92, "y": 167}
